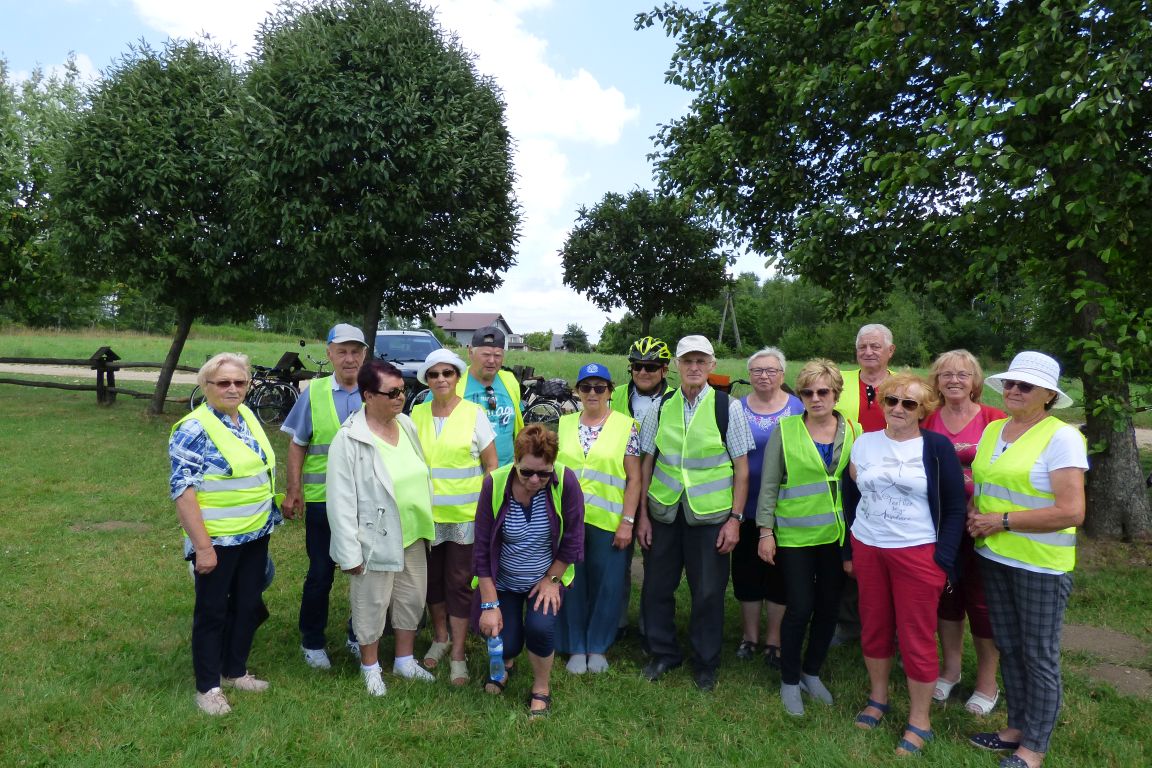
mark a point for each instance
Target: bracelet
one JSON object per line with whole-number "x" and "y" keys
{"x": 490, "y": 606}
{"x": 1004, "y": 520}
{"x": 627, "y": 519}
{"x": 736, "y": 516}
{"x": 767, "y": 535}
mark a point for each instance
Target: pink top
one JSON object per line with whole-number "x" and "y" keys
{"x": 967, "y": 439}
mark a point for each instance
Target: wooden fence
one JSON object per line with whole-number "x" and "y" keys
{"x": 103, "y": 361}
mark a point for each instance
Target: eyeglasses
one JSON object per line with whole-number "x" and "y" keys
{"x": 698, "y": 362}
{"x": 491, "y": 393}
{"x": 957, "y": 375}
{"x": 808, "y": 393}
{"x": 909, "y": 405}
{"x": 769, "y": 372}
{"x": 450, "y": 373}
{"x": 1022, "y": 386}
{"x": 229, "y": 383}
{"x": 597, "y": 388}
{"x": 646, "y": 367}
{"x": 391, "y": 394}
{"x": 528, "y": 474}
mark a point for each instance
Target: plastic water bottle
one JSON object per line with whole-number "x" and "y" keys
{"x": 496, "y": 669}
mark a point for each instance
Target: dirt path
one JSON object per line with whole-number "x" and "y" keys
{"x": 84, "y": 375}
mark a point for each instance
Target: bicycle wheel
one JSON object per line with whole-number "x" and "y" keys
{"x": 416, "y": 398}
{"x": 543, "y": 412}
{"x": 196, "y": 398}
{"x": 272, "y": 402}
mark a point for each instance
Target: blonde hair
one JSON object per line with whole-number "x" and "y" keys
{"x": 815, "y": 369}
{"x": 906, "y": 379}
{"x": 966, "y": 359}
{"x": 216, "y": 362}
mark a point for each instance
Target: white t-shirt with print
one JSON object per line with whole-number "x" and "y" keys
{"x": 893, "y": 510}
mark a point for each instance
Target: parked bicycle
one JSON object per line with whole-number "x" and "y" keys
{"x": 275, "y": 390}
{"x": 544, "y": 401}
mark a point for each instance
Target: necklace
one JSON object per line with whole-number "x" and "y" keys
{"x": 597, "y": 424}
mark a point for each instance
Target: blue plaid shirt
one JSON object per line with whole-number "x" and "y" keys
{"x": 193, "y": 456}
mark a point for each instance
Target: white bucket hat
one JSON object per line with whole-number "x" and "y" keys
{"x": 1033, "y": 368}
{"x": 437, "y": 356}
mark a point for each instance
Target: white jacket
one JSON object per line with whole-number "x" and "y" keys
{"x": 362, "y": 510}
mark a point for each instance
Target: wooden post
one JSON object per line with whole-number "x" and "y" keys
{"x": 102, "y": 361}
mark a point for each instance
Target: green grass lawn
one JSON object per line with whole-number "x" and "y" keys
{"x": 95, "y": 619}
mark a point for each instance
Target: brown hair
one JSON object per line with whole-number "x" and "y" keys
{"x": 965, "y": 359}
{"x": 905, "y": 380}
{"x": 537, "y": 440}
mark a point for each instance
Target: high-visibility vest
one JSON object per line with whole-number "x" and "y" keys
{"x": 622, "y": 398}
{"x": 240, "y": 502}
{"x": 809, "y": 506}
{"x": 325, "y": 423}
{"x": 601, "y": 472}
{"x": 849, "y": 402}
{"x": 456, "y": 475}
{"x": 500, "y": 483}
{"x": 513, "y": 387}
{"x": 692, "y": 461}
{"x": 1004, "y": 486}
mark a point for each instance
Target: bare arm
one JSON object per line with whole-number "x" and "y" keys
{"x": 643, "y": 524}
{"x": 1067, "y": 510}
{"x": 632, "y": 482}
{"x": 191, "y": 519}
{"x": 293, "y": 490}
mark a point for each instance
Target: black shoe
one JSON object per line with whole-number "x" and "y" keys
{"x": 772, "y": 656}
{"x": 747, "y": 649}
{"x": 656, "y": 668}
{"x": 705, "y": 679}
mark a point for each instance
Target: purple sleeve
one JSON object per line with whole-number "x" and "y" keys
{"x": 571, "y": 549}
{"x": 485, "y": 526}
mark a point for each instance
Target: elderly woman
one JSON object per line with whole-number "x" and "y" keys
{"x": 602, "y": 448}
{"x": 962, "y": 418}
{"x": 380, "y": 512}
{"x": 529, "y": 535}
{"x": 906, "y": 520}
{"x": 801, "y": 526}
{"x": 1029, "y": 498}
{"x": 223, "y": 482}
{"x": 458, "y": 442}
{"x": 757, "y": 583}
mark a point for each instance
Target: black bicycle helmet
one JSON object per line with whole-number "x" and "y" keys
{"x": 649, "y": 348}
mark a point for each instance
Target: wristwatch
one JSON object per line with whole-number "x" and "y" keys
{"x": 554, "y": 579}
{"x": 736, "y": 516}
{"x": 629, "y": 520}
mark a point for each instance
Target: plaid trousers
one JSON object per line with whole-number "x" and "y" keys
{"x": 1027, "y": 614}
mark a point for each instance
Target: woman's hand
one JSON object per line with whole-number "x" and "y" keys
{"x": 767, "y": 549}
{"x": 848, "y": 569}
{"x": 205, "y": 560}
{"x": 547, "y": 594}
{"x": 980, "y": 526}
{"x": 491, "y": 622}
{"x": 623, "y": 536}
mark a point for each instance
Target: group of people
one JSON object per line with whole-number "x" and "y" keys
{"x": 931, "y": 504}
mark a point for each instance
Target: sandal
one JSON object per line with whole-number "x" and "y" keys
{"x": 944, "y": 688}
{"x": 498, "y": 684}
{"x": 906, "y": 747}
{"x": 435, "y": 652}
{"x": 868, "y": 722}
{"x": 747, "y": 649}
{"x": 979, "y": 704}
{"x": 772, "y": 656}
{"x": 459, "y": 671}
{"x": 544, "y": 711}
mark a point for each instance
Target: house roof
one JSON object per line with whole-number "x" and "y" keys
{"x": 469, "y": 321}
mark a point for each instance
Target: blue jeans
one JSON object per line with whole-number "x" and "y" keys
{"x": 591, "y": 612}
{"x": 525, "y": 626}
{"x": 318, "y": 582}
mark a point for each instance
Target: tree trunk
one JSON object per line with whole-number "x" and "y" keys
{"x": 370, "y": 319}
{"x": 184, "y": 318}
{"x": 1117, "y": 498}
{"x": 645, "y": 326}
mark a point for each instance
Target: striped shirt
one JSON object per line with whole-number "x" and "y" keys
{"x": 526, "y": 551}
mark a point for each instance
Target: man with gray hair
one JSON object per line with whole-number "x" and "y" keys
{"x": 858, "y": 402}
{"x": 695, "y": 444}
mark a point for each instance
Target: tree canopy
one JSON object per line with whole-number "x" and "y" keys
{"x": 380, "y": 167}
{"x": 649, "y": 252}
{"x": 974, "y": 147}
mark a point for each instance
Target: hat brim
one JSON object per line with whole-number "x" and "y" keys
{"x": 422, "y": 371}
{"x": 995, "y": 382}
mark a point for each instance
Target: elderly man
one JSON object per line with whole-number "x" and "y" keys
{"x": 313, "y": 422}
{"x": 495, "y": 390}
{"x": 859, "y": 403}
{"x": 695, "y": 447}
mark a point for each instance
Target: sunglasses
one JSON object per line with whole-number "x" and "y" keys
{"x": 391, "y": 394}
{"x": 822, "y": 392}
{"x": 587, "y": 388}
{"x": 528, "y": 474}
{"x": 870, "y": 393}
{"x": 448, "y": 374}
{"x": 646, "y": 367}
{"x": 1021, "y": 386}
{"x": 909, "y": 405}
{"x": 229, "y": 383}
{"x": 491, "y": 393}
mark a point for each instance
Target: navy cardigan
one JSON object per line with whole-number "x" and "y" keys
{"x": 946, "y": 500}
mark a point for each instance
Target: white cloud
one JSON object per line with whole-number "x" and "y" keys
{"x": 232, "y": 23}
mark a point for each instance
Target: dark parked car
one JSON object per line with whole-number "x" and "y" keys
{"x": 406, "y": 350}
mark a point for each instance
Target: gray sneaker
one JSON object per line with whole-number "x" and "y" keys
{"x": 790, "y": 695}
{"x": 812, "y": 686}
{"x": 246, "y": 682}
{"x": 213, "y": 702}
{"x": 317, "y": 658}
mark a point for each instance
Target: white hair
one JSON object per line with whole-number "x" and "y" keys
{"x": 216, "y": 362}
{"x": 768, "y": 352}
{"x": 874, "y": 328}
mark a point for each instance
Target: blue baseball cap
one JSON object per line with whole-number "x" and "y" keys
{"x": 594, "y": 371}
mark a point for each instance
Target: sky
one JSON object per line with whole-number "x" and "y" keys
{"x": 585, "y": 93}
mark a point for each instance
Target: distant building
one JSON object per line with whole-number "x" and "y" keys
{"x": 461, "y": 326}
{"x": 558, "y": 343}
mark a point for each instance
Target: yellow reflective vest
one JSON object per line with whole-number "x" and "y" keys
{"x": 456, "y": 474}
{"x": 240, "y": 502}
{"x": 510, "y": 384}
{"x": 1004, "y": 486}
{"x": 325, "y": 422}
{"x": 691, "y": 460}
{"x": 500, "y": 484}
{"x": 809, "y": 506}
{"x": 601, "y": 472}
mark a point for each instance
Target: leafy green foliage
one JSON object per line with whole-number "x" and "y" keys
{"x": 539, "y": 340}
{"x": 575, "y": 339}
{"x": 648, "y": 252}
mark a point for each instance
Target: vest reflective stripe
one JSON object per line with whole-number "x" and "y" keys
{"x": 456, "y": 474}
{"x": 239, "y": 503}
{"x": 601, "y": 472}
{"x": 512, "y": 384}
{"x": 1004, "y": 486}
{"x": 809, "y": 506}
{"x": 691, "y": 460}
{"x": 325, "y": 423}
{"x": 500, "y": 484}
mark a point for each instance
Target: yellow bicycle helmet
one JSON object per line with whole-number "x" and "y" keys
{"x": 649, "y": 348}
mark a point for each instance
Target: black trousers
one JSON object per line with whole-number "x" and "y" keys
{"x": 813, "y": 581}
{"x": 678, "y": 548}
{"x": 229, "y": 609}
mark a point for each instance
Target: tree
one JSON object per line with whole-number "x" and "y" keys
{"x": 968, "y": 148}
{"x": 143, "y": 193}
{"x": 645, "y": 251}
{"x": 575, "y": 339}
{"x": 539, "y": 340}
{"x": 380, "y": 168}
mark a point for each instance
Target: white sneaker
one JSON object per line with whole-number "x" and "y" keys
{"x": 410, "y": 670}
{"x": 316, "y": 658}
{"x": 374, "y": 682}
{"x": 213, "y": 702}
{"x": 247, "y": 682}
{"x": 353, "y": 648}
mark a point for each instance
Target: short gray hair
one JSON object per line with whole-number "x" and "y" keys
{"x": 769, "y": 352}
{"x": 875, "y": 328}
{"x": 216, "y": 362}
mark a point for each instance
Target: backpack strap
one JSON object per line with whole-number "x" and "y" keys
{"x": 722, "y": 400}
